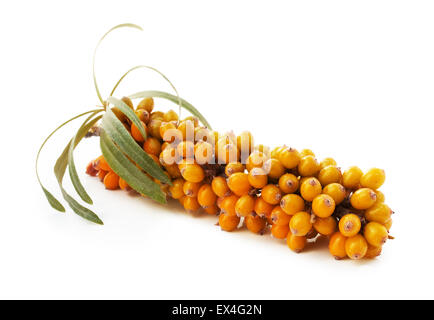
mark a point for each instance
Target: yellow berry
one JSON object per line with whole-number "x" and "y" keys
{"x": 205, "y": 196}
{"x": 263, "y": 208}
{"x": 170, "y": 116}
{"x": 310, "y": 188}
{"x": 363, "y": 198}
{"x": 274, "y": 168}
{"x": 292, "y": 203}
{"x": 290, "y": 158}
{"x": 239, "y": 184}
{"x": 308, "y": 166}
{"x": 323, "y": 206}
{"x": 350, "y": 225}
{"x": 288, "y": 183}
{"x": 245, "y": 205}
{"x": 245, "y": 142}
{"x": 257, "y": 178}
{"x": 228, "y": 205}
{"x": 146, "y": 104}
{"x": 372, "y": 252}
{"x": 271, "y": 194}
{"x": 373, "y": 179}
{"x": 356, "y": 247}
{"x": 306, "y": 152}
{"x": 255, "y": 160}
{"x": 330, "y": 174}
{"x": 191, "y": 204}
{"x": 176, "y": 190}
{"x": 278, "y": 216}
{"x": 220, "y": 187}
{"x": 336, "y": 191}
{"x": 296, "y": 243}
{"x": 234, "y": 167}
{"x": 255, "y": 223}
{"x": 192, "y": 172}
{"x": 351, "y": 177}
{"x": 337, "y": 245}
{"x": 376, "y": 234}
{"x": 325, "y": 226}
{"x": 327, "y": 162}
{"x": 228, "y": 222}
{"x": 300, "y": 224}
{"x": 279, "y": 231}
{"x": 203, "y": 153}
{"x": 380, "y": 213}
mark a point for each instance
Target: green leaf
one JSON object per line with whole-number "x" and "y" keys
{"x": 51, "y": 199}
{"x": 124, "y": 25}
{"x": 135, "y": 178}
{"x": 126, "y": 110}
{"x": 71, "y": 165}
{"x": 122, "y": 138}
{"x": 79, "y": 209}
{"x": 160, "y": 94}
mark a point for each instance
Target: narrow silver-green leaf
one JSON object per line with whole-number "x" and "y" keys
{"x": 53, "y": 201}
{"x": 126, "y": 110}
{"x": 135, "y": 178}
{"x": 186, "y": 105}
{"x": 122, "y": 138}
{"x": 123, "y": 25}
{"x": 79, "y": 209}
{"x": 71, "y": 165}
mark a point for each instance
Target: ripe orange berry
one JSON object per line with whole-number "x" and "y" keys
{"x": 373, "y": 179}
{"x": 307, "y": 152}
{"x": 143, "y": 115}
{"x": 101, "y": 164}
{"x": 327, "y": 162}
{"x": 350, "y": 225}
{"x": 154, "y": 128}
{"x": 257, "y": 178}
{"x": 337, "y": 245}
{"x": 146, "y": 104}
{"x": 245, "y": 142}
{"x": 234, "y": 167}
{"x": 245, "y": 205}
{"x": 279, "y": 231}
{"x": 152, "y": 146}
{"x": 185, "y": 149}
{"x": 325, "y": 226}
{"x": 271, "y": 194}
{"x": 388, "y": 224}
{"x": 157, "y": 115}
{"x": 190, "y": 204}
{"x": 292, "y": 203}
{"x": 220, "y": 187}
{"x": 376, "y": 234}
{"x": 300, "y": 224}
{"x": 101, "y": 174}
{"x": 323, "y": 206}
{"x": 380, "y": 197}
{"x": 192, "y": 172}
{"x": 380, "y": 213}
{"x": 295, "y": 243}
{"x": 212, "y": 210}
{"x": 205, "y": 196}
{"x": 182, "y": 199}
{"x": 173, "y": 171}
{"x": 255, "y": 160}
{"x": 310, "y": 188}
{"x": 274, "y": 168}
{"x": 136, "y": 133}
{"x": 191, "y": 189}
{"x": 330, "y": 174}
{"x": 290, "y": 158}
{"x": 176, "y": 190}
{"x": 336, "y": 191}
{"x": 111, "y": 181}
{"x": 308, "y": 166}
{"x": 288, "y": 183}
{"x": 356, "y": 247}
{"x": 228, "y": 205}
{"x": 275, "y": 153}
{"x": 373, "y": 252}
{"x": 255, "y": 223}
{"x": 363, "y": 198}
{"x": 351, "y": 177}
{"x": 228, "y": 222}
{"x": 239, "y": 184}
{"x": 279, "y": 217}
{"x": 263, "y": 208}
{"x": 170, "y": 116}
{"x": 123, "y": 184}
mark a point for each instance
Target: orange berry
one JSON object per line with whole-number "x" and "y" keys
{"x": 257, "y": 178}
{"x": 351, "y": 177}
{"x": 323, "y": 206}
{"x": 255, "y": 223}
{"x": 173, "y": 171}
{"x": 292, "y": 203}
{"x": 279, "y": 217}
{"x": 111, "y": 181}
{"x": 271, "y": 194}
{"x": 192, "y": 172}
{"x": 336, "y": 191}
{"x": 308, "y": 166}
{"x": 274, "y": 168}
{"x": 185, "y": 149}
{"x": 123, "y": 184}
{"x": 310, "y": 188}
{"x": 228, "y": 205}
{"x": 170, "y": 116}
{"x": 101, "y": 164}
{"x": 288, "y": 183}
{"x": 206, "y": 197}
{"x": 154, "y": 128}
{"x": 380, "y": 197}
{"x": 306, "y": 152}
{"x": 239, "y": 184}
{"x": 136, "y": 133}
{"x": 143, "y": 115}
{"x": 388, "y": 224}
{"x": 327, "y": 162}
{"x": 191, "y": 204}
{"x": 234, "y": 167}
{"x": 263, "y": 208}
{"x": 330, "y": 174}
{"x": 275, "y": 153}
{"x": 296, "y": 243}
{"x": 325, "y": 226}
{"x": 380, "y": 213}
{"x": 152, "y": 146}
{"x": 157, "y": 115}
{"x": 349, "y": 225}
{"x": 337, "y": 245}
{"x": 176, "y": 190}
{"x": 191, "y": 189}
{"x": 255, "y": 160}
{"x": 279, "y": 231}
{"x": 373, "y": 179}
{"x": 376, "y": 234}
{"x": 101, "y": 174}
{"x": 212, "y": 210}
{"x": 356, "y": 247}
{"x": 300, "y": 224}
{"x": 363, "y": 198}
{"x": 372, "y": 252}
{"x": 290, "y": 158}
{"x": 245, "y": 205}
{"x": 146, "y": 104}
{"x": 220, "y": 187}
{"x": 228, "y": 222}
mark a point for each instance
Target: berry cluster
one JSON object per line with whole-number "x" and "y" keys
{"x": 284, "y": 190}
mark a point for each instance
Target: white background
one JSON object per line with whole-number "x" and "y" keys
{"x": 348, "y": 79}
